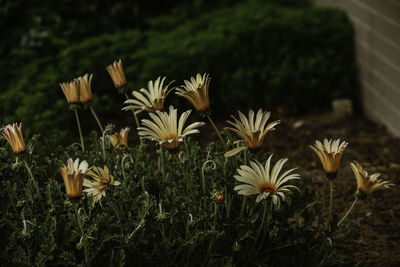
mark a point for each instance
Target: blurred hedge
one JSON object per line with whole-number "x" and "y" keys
{"x": 258, "y": 54}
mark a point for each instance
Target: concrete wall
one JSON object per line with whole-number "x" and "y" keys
{"x": 377, "y": 25}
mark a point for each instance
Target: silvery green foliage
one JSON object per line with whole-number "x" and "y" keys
{"x": 153, "y": 217}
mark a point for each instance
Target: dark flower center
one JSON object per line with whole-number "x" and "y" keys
{"x": 268, "y": 188}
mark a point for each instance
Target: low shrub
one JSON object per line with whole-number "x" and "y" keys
{"x": 269, "y": 55}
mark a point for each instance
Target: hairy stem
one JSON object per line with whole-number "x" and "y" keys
{"x": 160, "y": 152}
{"x": 188, "y": 181}
{"x": 243, "y": 206}
{"x": 123, "y": 166}
{"x": 28, "y": 169}
{"x": 85, "y": 247}
{"x": 213, "y": 228}
{"x": 80, "y": 130}
{"x": 269, "y": 217}
{"x": 262, "y": 221}
{"x": 217, "y": 131}
{"x": 330, "y": 203}
{"x": 136, "y": 119}
{"x": 96, "y": 118}
{"x": 348, "y": 212}
{"x": 103, "y": 144}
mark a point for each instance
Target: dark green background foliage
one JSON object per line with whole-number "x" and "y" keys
{"x": 131, "y": 230}
{"x": 259, "y": 53}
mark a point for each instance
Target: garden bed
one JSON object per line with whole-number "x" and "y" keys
{"x": 374, "y": 220}
{"x": 369, "y": 236}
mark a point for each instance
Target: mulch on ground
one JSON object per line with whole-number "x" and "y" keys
{"x": 378, "y": 216}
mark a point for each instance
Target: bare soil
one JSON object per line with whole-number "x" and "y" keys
{"x": 378, "y": 216}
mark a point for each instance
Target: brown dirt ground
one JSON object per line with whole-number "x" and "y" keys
{"x": 378, "y": 216}
{"x": 378, "y": 243}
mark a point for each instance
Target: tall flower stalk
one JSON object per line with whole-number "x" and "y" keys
{"x": 187, "y": 178}
{"x": 79, "y": 129}
{"x": 268, "y": 184}
{"x": 85, "y": 95}
{"x": 13, "y": 134}
{"x": 71, "y": 91}
{"x": 134, "y": 115}
{"x": 217, "y": 131}
{"x": 73, "y": 175}
{"x": 97, "y": 119}
{"x": 348, "y": 211}
{"x": 117, "y": 74}
{"x": 28, "y": 169}
{"x": 261, "y": 227}
{"x": 330, "y": 152}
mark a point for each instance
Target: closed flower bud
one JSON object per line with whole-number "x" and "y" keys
{"x": 85, "y": 90}
{"x": 72, "y": 175}
{"x": 120, "y": 139}
{"x": 13, "y": 134}
{"x": 117, "y": 74}
{"x": 196, "y": 92}
{"x": 330, "y": 152}
{"x": 71, "y": 91}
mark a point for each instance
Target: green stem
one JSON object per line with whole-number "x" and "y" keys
{"x": 123, "y": 167}
{"x": 80, "y": 130}
{"x": 203, "y": 175}
{"x": 162, "y": 165}
{"x": 217, "y": 131}
{"x": 213, "y": 228}
{"x": 103, "y": 145}
{"x": 85, "y": 248}
{"x": 330, "y": 203}
{"x": 164, "y": 238}
{"x": 262, "y": 221}
{"x": 243, "y": 206}
{"x": 188, "y": 181}
{"x": 269, "y": 217}
{"x": 348, "y": 212}
{"x": 228, "y": 203}
{"x": 28, "y": 169}
{"x": 97, "y": 119}
{"x": 136, "y": 119}
{"x": 12, "y": 202}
